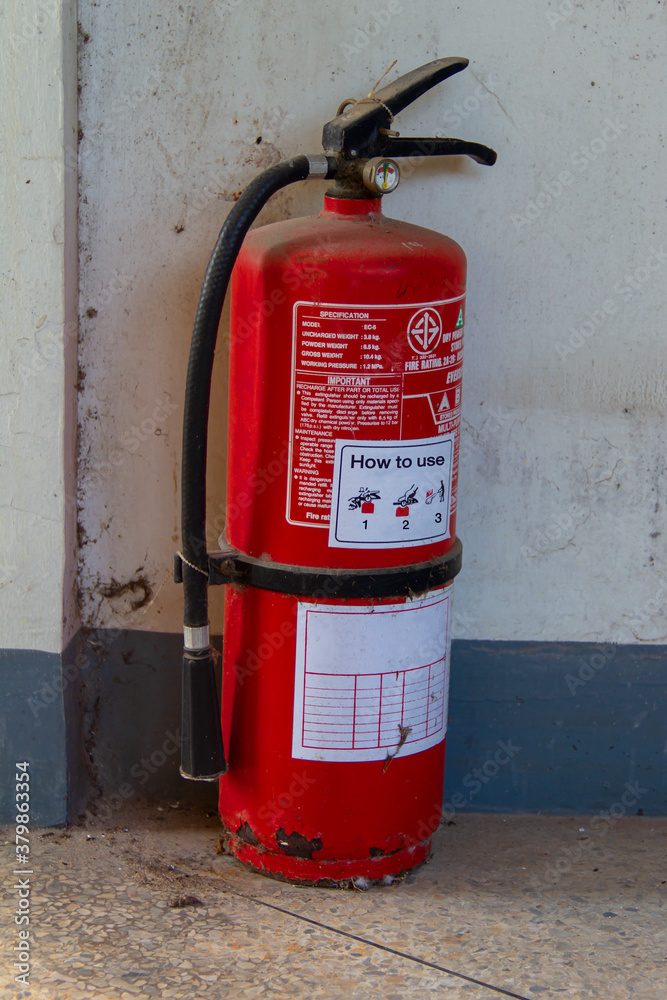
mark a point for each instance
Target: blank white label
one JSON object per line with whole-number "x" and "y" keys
{"x": 368, "y": 677}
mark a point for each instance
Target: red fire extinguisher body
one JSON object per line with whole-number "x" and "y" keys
{"x": 322, "y": 348}
{"x": 345, "y": 402}
{"x": 320, "y": 820}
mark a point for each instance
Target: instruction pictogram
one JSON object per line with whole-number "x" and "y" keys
{"x": 405, "y": 501}
{"x": 364, "y": 500}
{"x": 442, "y": 404}
{"x": 424, "y": 331}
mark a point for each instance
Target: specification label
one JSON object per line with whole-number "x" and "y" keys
{"x": 370, "y": 374}
{"x": 371, "y": 682}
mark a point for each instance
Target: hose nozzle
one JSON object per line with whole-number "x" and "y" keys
{"x": 202, "y": 750}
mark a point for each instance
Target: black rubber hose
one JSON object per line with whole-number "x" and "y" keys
{"x": 200, "y": 367}
{"x": 202, "y": 751}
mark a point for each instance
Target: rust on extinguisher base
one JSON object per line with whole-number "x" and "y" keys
{"x": 296, "y": 865}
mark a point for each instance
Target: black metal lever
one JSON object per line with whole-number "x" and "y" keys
{"x": 414, "y": 146}
{"x": 398, "y": 94}
{"x": 361, "y": 131}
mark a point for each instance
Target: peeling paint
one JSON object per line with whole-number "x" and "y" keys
{"x": 296, "y": 845}
{"x": 247, "y": 834}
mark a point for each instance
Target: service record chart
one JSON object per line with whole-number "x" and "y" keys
{"x": 371, "y": 680}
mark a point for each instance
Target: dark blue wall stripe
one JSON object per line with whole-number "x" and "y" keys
{"x": 533, "y": 727}
{"x": 32, "y": 728}
{"x": 590, "y": 720}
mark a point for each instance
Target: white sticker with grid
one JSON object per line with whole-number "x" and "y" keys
{"x": 369, "y": 678}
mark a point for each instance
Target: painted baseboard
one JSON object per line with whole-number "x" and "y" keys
{"x": 590, "y": 720}
{"x": 35, "y": 736}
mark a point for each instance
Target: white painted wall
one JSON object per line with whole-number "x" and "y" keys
{"x": 563, "y": 466}
{"x": 39, "y": 325}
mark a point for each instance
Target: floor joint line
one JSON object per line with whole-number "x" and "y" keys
{"x": 376, "y": 944}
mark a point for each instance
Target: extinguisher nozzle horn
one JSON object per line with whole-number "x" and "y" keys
{"x": 202, "y": 750}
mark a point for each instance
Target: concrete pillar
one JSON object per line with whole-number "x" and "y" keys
{"x": 38, "y": 258}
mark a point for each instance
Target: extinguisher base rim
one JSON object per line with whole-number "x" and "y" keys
{"x": 330, "y": 874}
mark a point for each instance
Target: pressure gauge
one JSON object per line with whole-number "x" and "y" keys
{"x": 381, "y": 175}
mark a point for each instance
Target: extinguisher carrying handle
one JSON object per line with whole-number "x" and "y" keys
{"x": 363, "y": 129}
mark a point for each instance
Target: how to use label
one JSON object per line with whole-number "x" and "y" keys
{"x": 392, "y": 493}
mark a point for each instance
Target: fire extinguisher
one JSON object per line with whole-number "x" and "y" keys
{"x": 340, "y": 550}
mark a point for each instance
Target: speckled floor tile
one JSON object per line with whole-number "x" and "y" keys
{"x": 524, "y": 906}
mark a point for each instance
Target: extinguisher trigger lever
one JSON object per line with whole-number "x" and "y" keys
{"x": 419, "y": 146}
{"x": 362, "y": 129}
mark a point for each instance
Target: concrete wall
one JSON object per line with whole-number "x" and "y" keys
{"x": 564, "y": 376}
{"x": 38, "y": 260}
{"x": 39, "y": 325}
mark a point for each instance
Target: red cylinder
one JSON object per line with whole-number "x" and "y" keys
{"x": 345, "y": 402}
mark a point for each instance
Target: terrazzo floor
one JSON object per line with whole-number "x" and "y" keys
{"x": 526, "y": 907}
